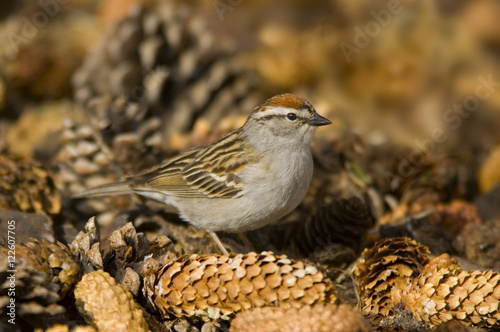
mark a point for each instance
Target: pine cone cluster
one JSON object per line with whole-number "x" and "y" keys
{"x": 399, "y": 292}
{"x": 218, "y": 286}
{"x": 126, "y": 254}
{"x": 45, "y": 272}
{"x": 26, "y": 186}
{"x": 316, "y": 318}
{"x": 107, "y": 305}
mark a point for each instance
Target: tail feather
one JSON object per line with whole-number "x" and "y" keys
{"x": 118, "y": 188}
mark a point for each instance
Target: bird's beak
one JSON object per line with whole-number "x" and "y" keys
{"x": 317, "y": 120}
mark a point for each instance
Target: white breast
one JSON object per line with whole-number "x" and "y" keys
{"x": 273, "y": 188}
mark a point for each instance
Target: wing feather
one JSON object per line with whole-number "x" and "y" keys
{"x": 211, "y": 171}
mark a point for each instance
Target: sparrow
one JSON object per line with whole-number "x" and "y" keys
{"x": 248, "y": 179}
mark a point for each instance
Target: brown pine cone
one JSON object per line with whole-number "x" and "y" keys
{"x": 84, "y": 159}
{"x": 444, "y": 292}
{"x": 398, "y": 293}
{"x": 218, "y": 286}
{"x": 334, "y": 234}
{"x": 26, "y": 186}
{"x": 127, "y": 250}
{"x": 158, "y": 59}
{"x": 434, "y": 225}
{"x": 316, "y": 318}
{"x": 87, "y": 247}
{"x": 479, "y": 243}
{"x": 389, "y": 264}
{"x": 108, "y": 305}
{"x": 45, "y": 272}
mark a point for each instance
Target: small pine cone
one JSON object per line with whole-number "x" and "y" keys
{"x": 84, "y": 160}
{"x": 128, "y": 245}
{"x": 389, "y": 264}
{"x": 316, "y": 318}
{"x": 45, "y": 274}
{"x": 26, "y": 186}
{"x": 218, "y": 286}
{"x": 108, "y": 305}
{"x": 342, "y": 223}
{"x": 444, "y": 292}
{"x": 87, "y": 247}
{"x": 128, "y": 253}
{"x": 88, "y": 158}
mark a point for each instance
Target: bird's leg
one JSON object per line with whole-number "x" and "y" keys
{"x": 219, "y": 243}
{"x": 246, "y": 242}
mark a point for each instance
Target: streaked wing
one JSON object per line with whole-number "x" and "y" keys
{"x": 211, "y": 171}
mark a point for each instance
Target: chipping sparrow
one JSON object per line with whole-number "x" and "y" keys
{"x": 245, "y": 180}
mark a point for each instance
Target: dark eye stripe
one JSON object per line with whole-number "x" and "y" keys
{"x": 267, "y": 117}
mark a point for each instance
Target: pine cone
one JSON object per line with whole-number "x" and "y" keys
{"x": 479, "y": 243}
{"x": 87, "y": 247}
{"x": 84, "y": 160}
{"x": 316, "y": 318}
{"x": 128, "y": 249}
{"x": 157, "y": 59}
{"x": 108, "y": 305}
{"x": 334, "y": 229}
{"x": 407, "y": 295}
{"x": 128, "y": 252}
{"x": 434, "y": 225}
{"x": 444, "y": 292}
{"x": 389, "y": 264}
{"x": 26, "y": 186}
{"x": 218, "y": 286}
{"x": 45, "y": 274}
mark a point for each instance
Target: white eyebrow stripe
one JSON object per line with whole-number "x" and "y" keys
{"x": 274, "y": 111}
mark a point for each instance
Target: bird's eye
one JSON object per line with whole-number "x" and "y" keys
{"x": 291, "y": 116}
